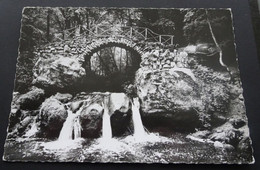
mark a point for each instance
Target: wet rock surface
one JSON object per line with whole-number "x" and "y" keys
{"x": 32, "y": 99}
{"x": 91, "y": 115}
{"x": 120, "y": 122}
{"x": 51, "y": 117}
{"x": 91, "y": 120}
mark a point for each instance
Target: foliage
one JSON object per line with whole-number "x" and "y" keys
{"x": 190, "y": 23}
{"x": 24, "y": 73}
{"x": 196, "y": 29}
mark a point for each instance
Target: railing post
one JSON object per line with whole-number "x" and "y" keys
{"x": 145, "y": 34}
{"x": 160, "y": 38}
{"x": 171, "y": 40}
{"x": 131, "y": 32}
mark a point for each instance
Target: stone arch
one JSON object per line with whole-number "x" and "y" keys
{"x": 99, "y": 44}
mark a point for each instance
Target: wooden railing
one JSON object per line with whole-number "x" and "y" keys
{"x": 134, "y": 33}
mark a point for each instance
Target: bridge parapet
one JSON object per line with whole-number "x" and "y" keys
{"x": 120, "y": 34}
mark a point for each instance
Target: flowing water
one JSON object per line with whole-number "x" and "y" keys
{"x": 70, "y": 134}
{"x": 77, "y": 128}
{"x": 66, "y": 132}
{"x": 33, "y": 130}
{"x": 71, "y": 128}
{"x": 106, "y": 126}
{"x": 141, "y": 146}
{"x": 139, "y": 131}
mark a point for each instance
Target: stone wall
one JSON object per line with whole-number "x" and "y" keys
{"x": 164, "y": 59}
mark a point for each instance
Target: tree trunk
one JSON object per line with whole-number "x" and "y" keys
{"x": 216, "y": 43}
{"x": 48, "y": 25}
{"x": 87, "y": 16}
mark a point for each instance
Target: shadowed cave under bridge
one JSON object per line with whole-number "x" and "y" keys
{"x": 111, "y": 68}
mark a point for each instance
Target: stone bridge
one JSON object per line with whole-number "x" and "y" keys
{"x": 153, "y": 51}
{"x": 90, "y": 40}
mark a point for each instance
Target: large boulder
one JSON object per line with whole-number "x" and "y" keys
{"x": 51, "y": 117}
{"x": 167, "y": 90}
{"x": 183, "y": 98}
{"x": 91, "y": 120}
{"x": 119, "y": 109}
{"x": 58, "y": 71}
{"x": 91, "y": 114}
{"x": 120, "y": 122}
{"x": 32, "y": 99}
{"x": 119, "y": 106}
{"x": 169, "y": 97}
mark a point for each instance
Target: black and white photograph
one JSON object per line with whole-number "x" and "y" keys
{"x": 128, "y": 85}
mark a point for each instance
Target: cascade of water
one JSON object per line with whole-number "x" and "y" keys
{"x": 72, "y": 124}
{"x": 106, "y": 124}
{"x": 33, "y": 130}
{"x": 106, "y": 131}
{"x": 139, "y": 131}
{"x": 77, "y": 128}
{"x": 67, "y": 129}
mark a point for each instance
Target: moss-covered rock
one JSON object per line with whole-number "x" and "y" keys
{"x": 91, "y": 120}
{"x": 52, "y": 116}
{"x": 32, "y": 99}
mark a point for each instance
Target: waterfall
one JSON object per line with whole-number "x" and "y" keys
{"x": 67, "y": 129}
{"x": 77, "y": 128}
{"x": 106, "y": 125}
{"x": 70, "y": 134}
{"x": 139, "y": 131}
{"x": 71, "y": 127}
{"x": 33, "y": 130}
